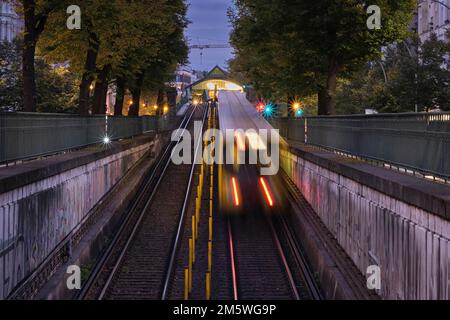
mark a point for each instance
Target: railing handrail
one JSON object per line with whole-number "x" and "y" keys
{"x": 368, "y": 116}
{"x": 70, "y": 115}
{"x": 420, "y": 144}
{"x": 25, "y": 136}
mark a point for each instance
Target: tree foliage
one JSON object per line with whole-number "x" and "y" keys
{"x": 10, "y": 76}
{"x": 55, "y": 86}
{"x": 417, "y": 74}
{"x": 137, "y": 42}
{"x": 295, "y": 48}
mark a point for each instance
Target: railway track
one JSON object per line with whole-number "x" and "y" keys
{"x": 264, "y": 257}
{"x": 355, "y": 280}
{"x": 143, "y": 261}
{"x": 266, "y": 265}
{"x": 138, "y": 263}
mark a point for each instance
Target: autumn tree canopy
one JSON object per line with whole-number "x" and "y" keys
{"x": 294, "y": 48}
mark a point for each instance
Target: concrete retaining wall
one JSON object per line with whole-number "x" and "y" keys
{"x": 380, "y": 217}
{"x": 42, "y": 208}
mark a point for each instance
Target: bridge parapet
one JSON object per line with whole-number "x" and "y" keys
{"x": 30, "y": 135}
{"x": 45, "y": 204}
{"x": 380, "y": 217}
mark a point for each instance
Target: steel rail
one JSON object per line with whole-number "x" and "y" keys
{"x": 110, "y": 249}
{"x": 300, "y": 260}
{"x": 184, "y": 209}
{"x": 284, "y": 261}
{"x": 233, "y": 262}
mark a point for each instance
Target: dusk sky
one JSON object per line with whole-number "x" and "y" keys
{"x": 209, "y": 25}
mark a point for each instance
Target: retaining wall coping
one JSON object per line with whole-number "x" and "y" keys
{"x": 430, "y": 196}
{"x": 13, "y": 177}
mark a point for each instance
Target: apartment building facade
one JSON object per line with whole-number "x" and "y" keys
{"x": 433, "y": 16}
{"x": 11, "y": 24}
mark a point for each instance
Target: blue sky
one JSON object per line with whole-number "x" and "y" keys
{"x": 209, "y": 25}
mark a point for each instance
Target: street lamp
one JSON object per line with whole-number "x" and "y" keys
{"x": 296, "y": 105}
{"x": 384, "y": 71}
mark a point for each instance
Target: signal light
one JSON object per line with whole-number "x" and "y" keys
{"x": 260, "y": 107}
{"x": 268, "y": 110}
{"x": 299, "y": 113}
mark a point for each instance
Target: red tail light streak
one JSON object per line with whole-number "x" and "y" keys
{"x": 235, "y": 192}
{"x": 266, "y": 191}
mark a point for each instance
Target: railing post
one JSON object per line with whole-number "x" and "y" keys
{"x": 306, "y": 130}
{"x": 2, "y": 138}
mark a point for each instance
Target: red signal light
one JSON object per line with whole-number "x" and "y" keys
{"x": 260, "y": 106}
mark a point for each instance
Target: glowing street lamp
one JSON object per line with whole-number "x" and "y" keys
{"x": 296, "y": 105}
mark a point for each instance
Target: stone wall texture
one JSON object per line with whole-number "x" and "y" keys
{"x": 409, "y": 244}
{"x": 36, "y": 217}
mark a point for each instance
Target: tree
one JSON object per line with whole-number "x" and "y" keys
{"x": 55, "y": 85}
{"x": 10, "y": 76}
{"x": 423, "y": 79}
{"x": 120, "y": 39}
{"x": 417, "y": 74}
{"x": 99, "y": 39}
{"x": 307, "y": 44}
{"x": 150, "y": 65}
{"x": 35, "y": 13}
{"x": 56, "y": 89}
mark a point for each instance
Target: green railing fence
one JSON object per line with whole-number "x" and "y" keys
{"x": 30, "y": 135}
{"x": 419, "y": 141}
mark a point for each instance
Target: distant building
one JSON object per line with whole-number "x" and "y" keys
{"x": 433, "y": 17}
{"x": 11, "y": 24}
{"x": 184, "y": 77}
{"x": 214, "y": 81}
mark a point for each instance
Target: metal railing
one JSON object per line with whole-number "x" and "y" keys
{"x": 29, "y": 135}
{"x": 416, "y": 141}
{"x": 181, "y": 103}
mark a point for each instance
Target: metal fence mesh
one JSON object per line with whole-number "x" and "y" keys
{"x": 29, "y": 135}
{"x": 417, "y": 141}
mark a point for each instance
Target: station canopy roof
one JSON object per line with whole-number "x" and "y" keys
{"x": 216, "y": 78}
